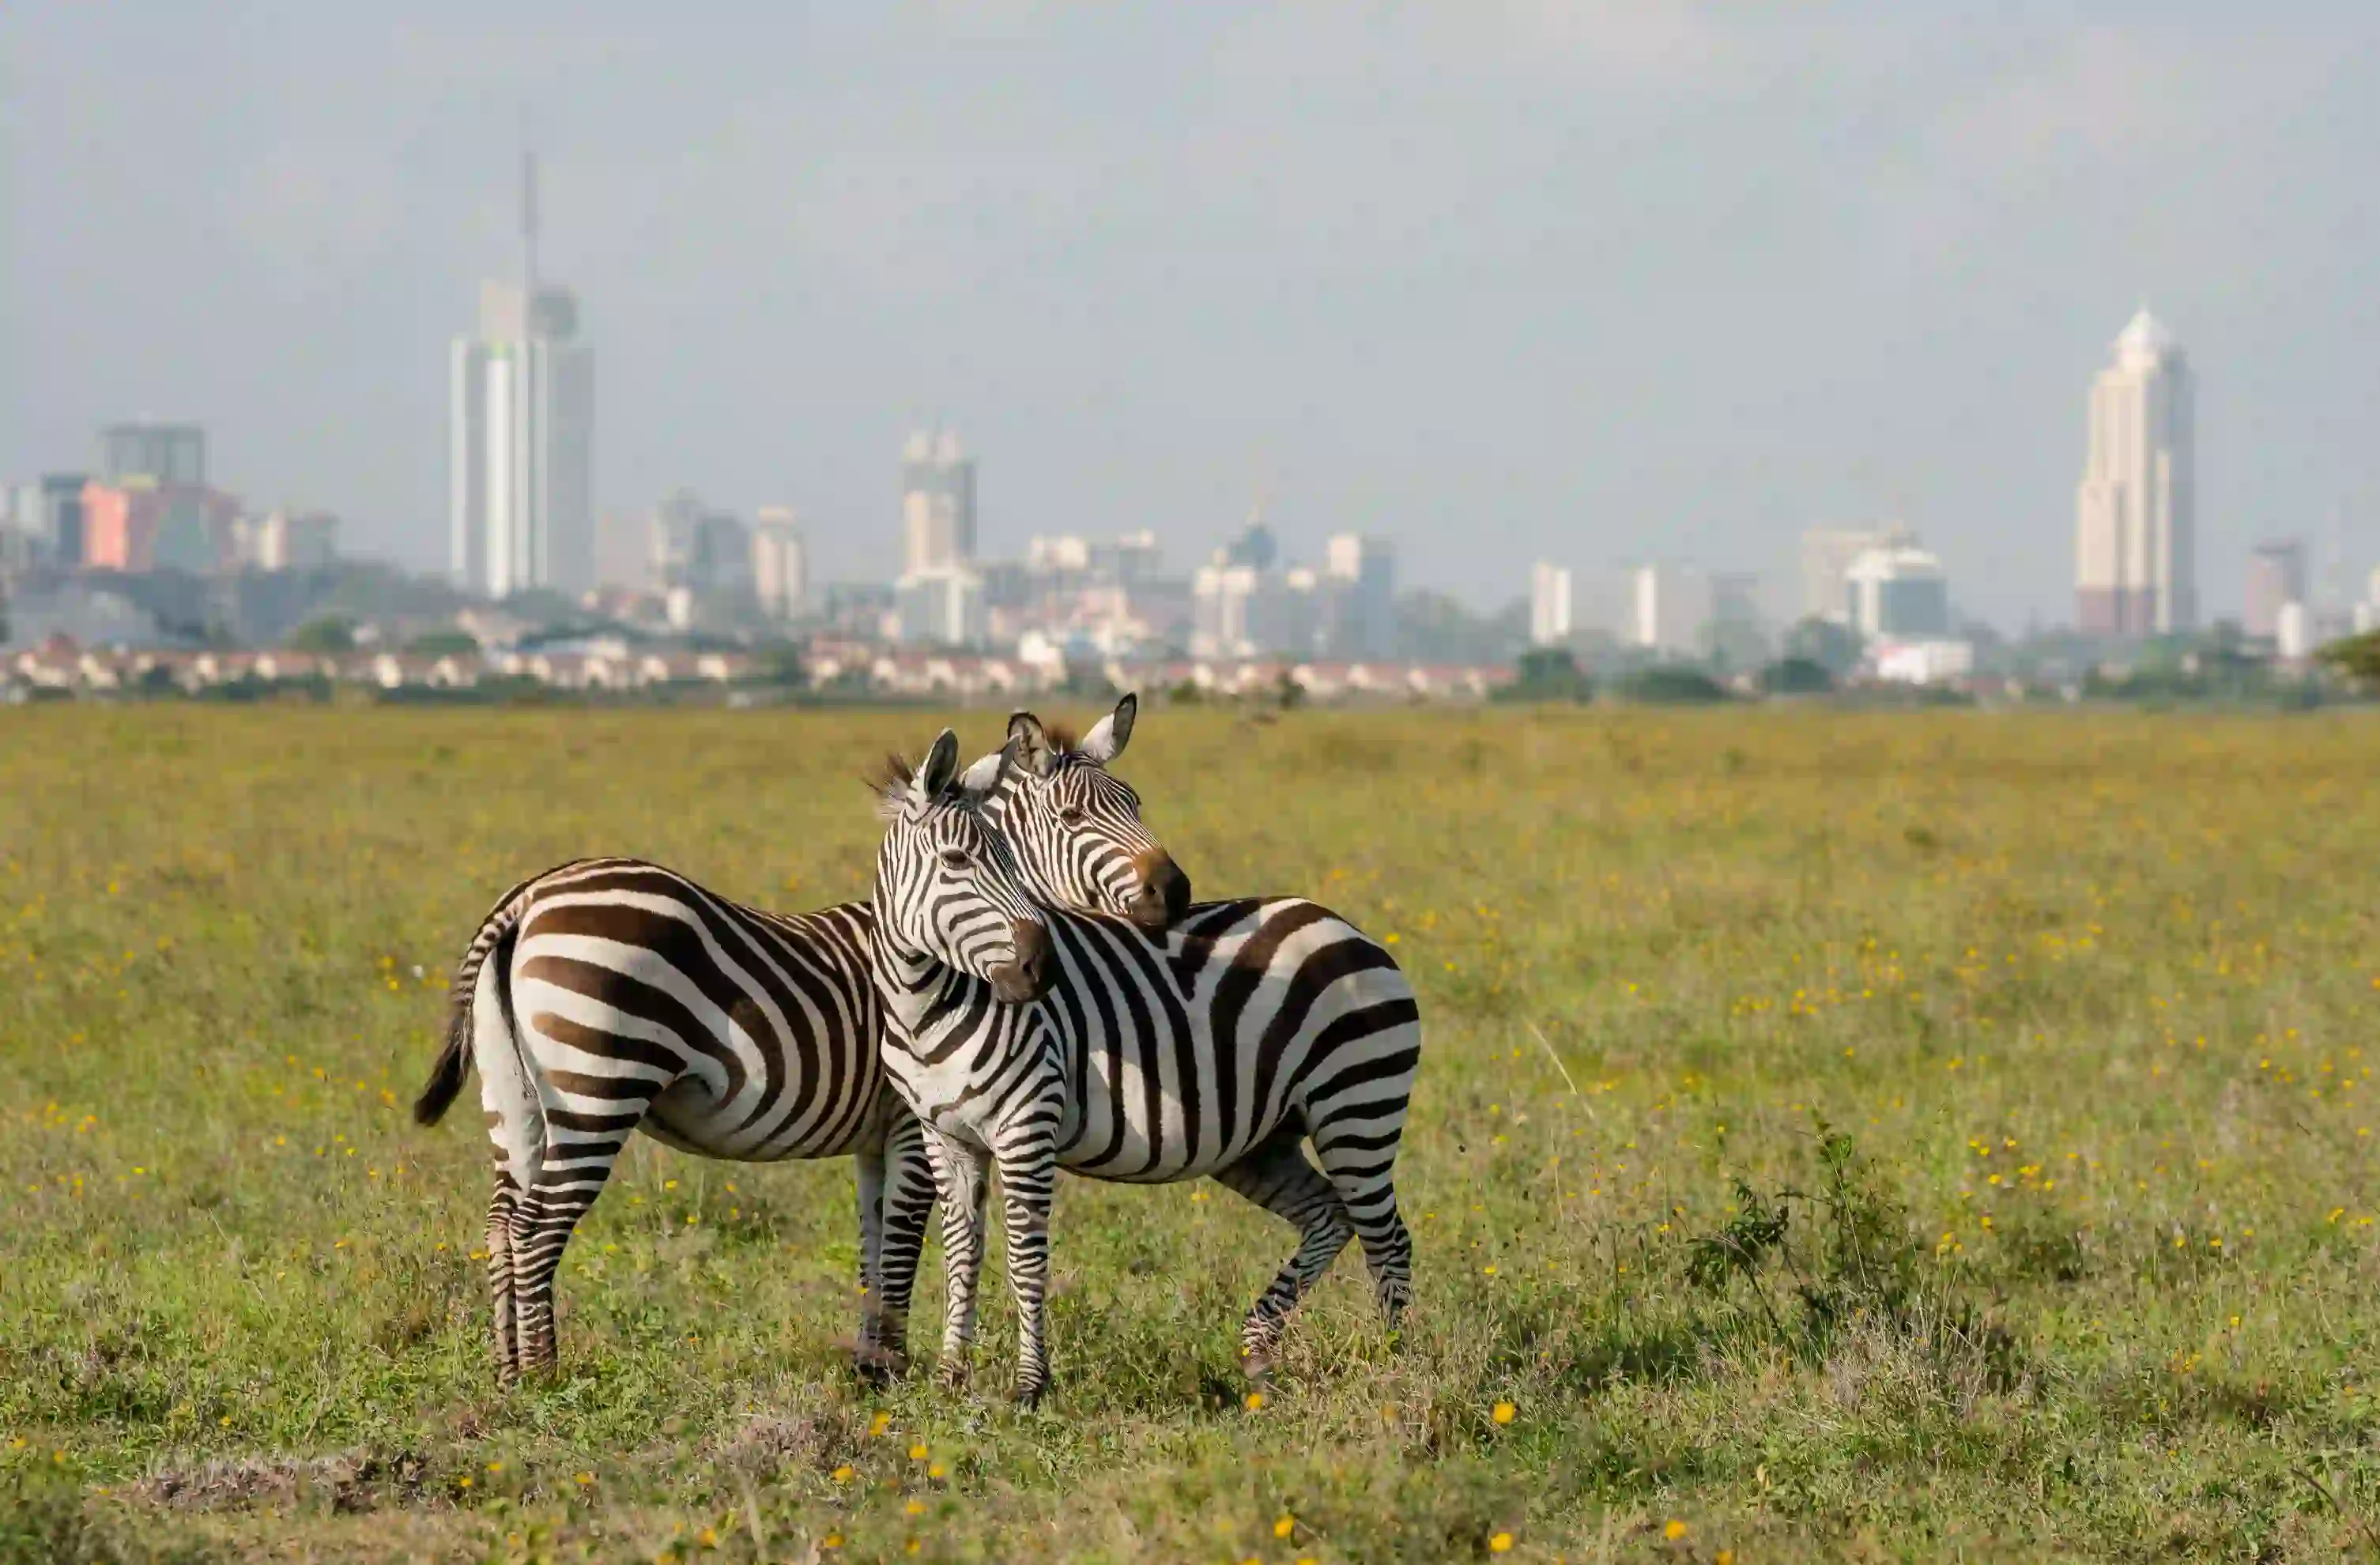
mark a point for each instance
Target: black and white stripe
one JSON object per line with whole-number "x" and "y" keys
{"x": 612, "y": 995}
{"x": 959, "y": 935}
{"x": 1216, "y": 1048}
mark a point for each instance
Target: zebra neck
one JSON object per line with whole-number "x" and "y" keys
{"x": 915, "y": 987}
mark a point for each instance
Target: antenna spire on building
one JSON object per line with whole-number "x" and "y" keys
{"x": 528, "y": 225}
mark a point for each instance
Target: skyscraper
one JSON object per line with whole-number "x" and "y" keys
{"x": 1673, "y": 606}
{"x": 937, "y": 504}
{"x": 520, "y": 430}
{"x": 2135, "y": 512}
{"x": 1359, "y": 580}
{"x": 779, "y": 563}
{"x": 1549, "y": 604}
{"x": 2277, "y": 577}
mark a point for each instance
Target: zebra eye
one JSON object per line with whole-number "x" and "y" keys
{"x": 1072, "y": 815}
{"x": 954, "y": 858}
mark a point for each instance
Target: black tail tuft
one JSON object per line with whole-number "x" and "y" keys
{"x": 494, "y": 939}
{"x": 446, "y": 1076}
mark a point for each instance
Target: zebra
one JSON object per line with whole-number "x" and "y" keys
{"x": 611, "y": 995}
{"x": 1215, "y": 1050}
{"x": 1082, "y": 843}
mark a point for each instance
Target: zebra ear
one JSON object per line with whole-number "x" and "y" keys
{"x": 933, "y": 779}
{"x": 1110, "y": 734}
{"x": 1031, "y": 743}
{"x": 981, "y": 780}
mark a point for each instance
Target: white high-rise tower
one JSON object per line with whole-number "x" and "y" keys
{"x": 1549, "y": 604}
{"x": 520, "y": 431}
{"x": 937, "y": 504}
{"x": 2135, "y": 512}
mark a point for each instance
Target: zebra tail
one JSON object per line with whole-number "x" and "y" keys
{"x": 494, "y": 939}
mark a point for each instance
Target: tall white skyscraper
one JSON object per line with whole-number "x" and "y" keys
{"x": 780, "y": 563}
{"x": 1549, "y": 604}
{"x": 1359, "y": 578}
{"x": 2135, "y": 512}
{"x": 520, "y": 431}
{"x": 937, "y": 504}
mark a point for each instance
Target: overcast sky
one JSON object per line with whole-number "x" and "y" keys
{"x": 1502, "y": 282}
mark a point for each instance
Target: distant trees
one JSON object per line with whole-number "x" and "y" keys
{"x": 1548, "y": 673}
{"x": 1796, "y": 676}
{"x": 443, "y": 644}
{"x": 2357, "y": 658}
{"x": 782, "y": 663}
{"x": 1835, "y": 648}
{"x": 326, "y": 633}
{"x": 1673, "y": 684}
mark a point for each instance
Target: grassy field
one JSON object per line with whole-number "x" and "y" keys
{"x": 2083, "y": 1268}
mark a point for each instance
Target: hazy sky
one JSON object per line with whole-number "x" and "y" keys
{"x": 1582, "y": 281}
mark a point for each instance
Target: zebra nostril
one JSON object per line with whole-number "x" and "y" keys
{"x": 1032, "y": 944}
{"x": 1164, "y": 893}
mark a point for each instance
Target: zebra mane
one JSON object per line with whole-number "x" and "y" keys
{"x": 892, "y": 779}
{"x": 889, "y": 779}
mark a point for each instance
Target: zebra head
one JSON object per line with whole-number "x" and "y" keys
{"x": 947, "y": 887}
{"x": 1076, "y": 828}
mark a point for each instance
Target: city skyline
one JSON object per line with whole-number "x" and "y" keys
{"x": 1493, "y": 342}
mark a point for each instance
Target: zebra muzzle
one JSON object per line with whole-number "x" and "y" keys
{"x": 1026, "y": 979}
{"x": 1164, "y": 893}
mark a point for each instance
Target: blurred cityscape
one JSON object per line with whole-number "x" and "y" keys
{"x": 136, "y": 572}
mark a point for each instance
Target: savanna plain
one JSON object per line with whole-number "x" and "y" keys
{"x": 1910, "y": 1135}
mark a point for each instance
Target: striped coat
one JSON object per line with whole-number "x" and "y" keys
{"x": 1217, "y": 1048}
{"x": 610, "y": 996}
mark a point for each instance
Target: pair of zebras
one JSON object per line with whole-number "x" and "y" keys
{"x": 1029, "y": 988}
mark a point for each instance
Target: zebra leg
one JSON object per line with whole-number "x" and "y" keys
{"x": 868, "y": 1169}
{"x": 500, "y": 1278}
{"x": 515, "y": 1120}
{"x": 908, "y": 1205}
{"x": 1029, "y": 1178}
{"x": 1360, "y": 1163}
{"x": 1277, "y": 1177}
{"x": 959, "y": 1182}
{"x": 581, "y": 1146}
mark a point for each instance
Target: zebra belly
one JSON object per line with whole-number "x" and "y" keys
{"x": 688, "y": 1118}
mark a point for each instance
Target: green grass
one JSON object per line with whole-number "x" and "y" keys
{"x": 2089, "y": 994}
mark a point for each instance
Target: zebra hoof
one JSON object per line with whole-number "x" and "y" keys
{"x": 1028, "y": 1398}
{"x": 1257, "y": 1365}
